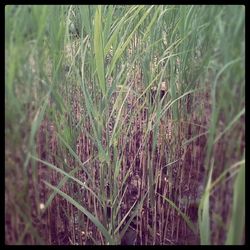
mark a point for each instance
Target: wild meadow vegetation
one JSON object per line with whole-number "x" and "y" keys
{"x": 124, "y": 124}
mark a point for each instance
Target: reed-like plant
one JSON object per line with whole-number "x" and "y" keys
{"x": 124, "y": 124}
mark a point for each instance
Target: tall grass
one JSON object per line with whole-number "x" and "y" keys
{"x": 124, "y": 124}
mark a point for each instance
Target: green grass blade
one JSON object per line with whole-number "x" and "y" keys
{"x": 237, "y": 225}
{"x": 69, "y": 176}
{"x": 229, "y": 126}
{"x": 95, "y": 220}
{"x": 98, "y": 48}
{"x": 76, "y": 157}
{"x": 61, "y": 183}
{"x": 203, "y": 214}
{"x": 118, "y": 27}
{"x": 85, "y": 16}
{"x": 190, "y": 224}
{"x": 133, "y": 214}
{"x": 121, "y": 49}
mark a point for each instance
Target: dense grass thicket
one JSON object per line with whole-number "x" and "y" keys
{"x": 124, "y": 124}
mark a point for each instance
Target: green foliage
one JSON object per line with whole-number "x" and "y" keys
{"x": 90, "y": 73}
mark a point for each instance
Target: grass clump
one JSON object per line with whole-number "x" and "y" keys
{"x": 123, "y": 125}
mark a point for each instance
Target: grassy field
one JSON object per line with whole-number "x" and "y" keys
{"x": 124, "y": 124}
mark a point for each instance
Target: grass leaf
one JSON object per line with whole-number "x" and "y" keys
{"x": 95, "y": 220}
